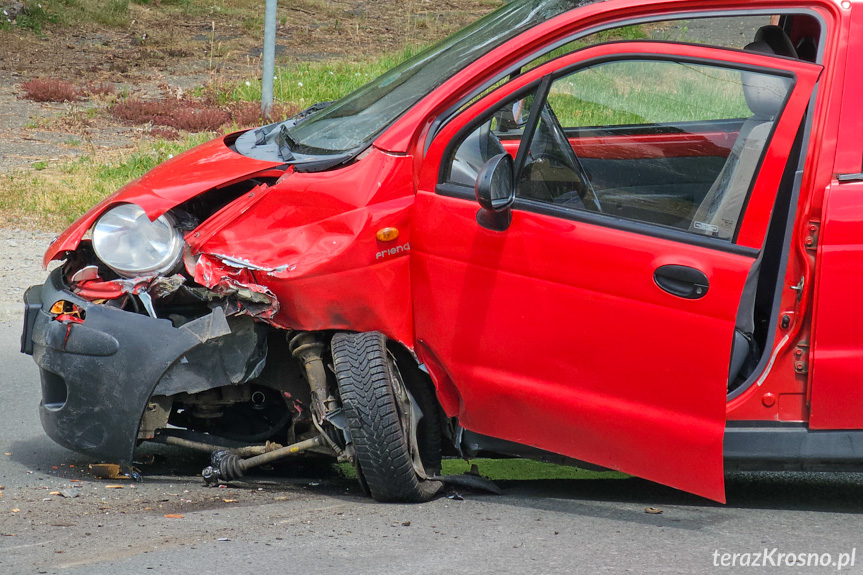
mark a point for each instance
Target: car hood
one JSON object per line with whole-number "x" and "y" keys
{"x": 167, "y": 185}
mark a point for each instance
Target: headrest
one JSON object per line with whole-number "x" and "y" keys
{"x": 764, "y": 94}
{"x": 777, "y": 39}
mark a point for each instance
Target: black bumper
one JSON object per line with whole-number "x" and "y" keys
{"x": 98, "y": 376}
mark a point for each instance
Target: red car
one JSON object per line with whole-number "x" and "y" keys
{"x": 616, "y": 233}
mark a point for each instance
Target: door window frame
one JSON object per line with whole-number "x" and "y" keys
{"x": 459, "y": 106}
{"x": 532, "y": 80}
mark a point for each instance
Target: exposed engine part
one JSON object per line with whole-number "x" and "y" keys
{"x": 218, "y": 397}
{"x": 155, "y": 416}
{"x": 247, "y": 451}
{"x": 225, "y": 466}
{"x": 207, "y": 411}
{"x": 309, "y": 349}
{"x": 247, "y": 413}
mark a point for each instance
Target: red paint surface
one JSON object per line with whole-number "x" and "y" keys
{"x": 311, "y": 240}
{"x": 647, "y": 146}
{"x": 553, "y": 333}
{"x": 837, "y": 359}
{"x": 837, "y": 342}
{"x": 561, "y": 322}
{"x": 169, "y": 184}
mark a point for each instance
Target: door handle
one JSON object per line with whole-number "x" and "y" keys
{"x": 682, "y": 281}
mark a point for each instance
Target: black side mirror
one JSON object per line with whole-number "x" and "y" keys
{"x": 495, "y": 192}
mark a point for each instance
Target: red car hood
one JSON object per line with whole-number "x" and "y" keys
{"x": 165, "y": 186}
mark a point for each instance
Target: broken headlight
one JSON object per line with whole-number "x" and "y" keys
{"x": 132, "y": 245}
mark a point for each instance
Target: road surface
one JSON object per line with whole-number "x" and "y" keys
{"x": 57, "y": 518}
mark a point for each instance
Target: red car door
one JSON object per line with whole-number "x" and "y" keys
{"x": 599, "y": 323}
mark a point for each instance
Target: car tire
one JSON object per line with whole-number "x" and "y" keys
{"x": 367, "y": 374}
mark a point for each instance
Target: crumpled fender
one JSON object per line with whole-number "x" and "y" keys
{"x": 311, "y": 224}
{"x": 311, "y": 241}
{"x": 167, "y": 185}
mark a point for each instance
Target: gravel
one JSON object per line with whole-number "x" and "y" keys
{"x": 20, "y": 267}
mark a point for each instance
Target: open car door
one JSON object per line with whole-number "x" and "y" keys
{"x": 599, "y": 322}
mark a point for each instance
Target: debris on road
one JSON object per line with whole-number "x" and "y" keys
{"x": 107, "y": 471}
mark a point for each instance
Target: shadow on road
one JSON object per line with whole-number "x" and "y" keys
{"x": 817, "y": 492}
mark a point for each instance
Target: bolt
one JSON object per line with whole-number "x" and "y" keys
{"x": 798, "y": 352}
{"x": 809, "y": 241}
{"x": 812, "y": 228}
{"x": 798, "y": 366}
{"x": 769, "y": 400}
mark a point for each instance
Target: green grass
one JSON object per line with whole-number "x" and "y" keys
{"x": 636, "y": 92}
{"x": 112, "y": 13}
{"x": 305, "y": 84}
{"x": 37, "y": 15}
{"x": 58, "y": 194}
{"x": 620, "y": 93}
{"x": 511, "y": 470}
{"x": 613, "y": 35}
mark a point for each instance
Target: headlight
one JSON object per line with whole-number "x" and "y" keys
{"x": 133, "y": 246}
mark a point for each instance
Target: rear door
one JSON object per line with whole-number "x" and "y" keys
{"x": 599, "y": 324}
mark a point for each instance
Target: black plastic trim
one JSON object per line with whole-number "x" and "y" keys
{"x": 529, "y": 129}
{"x": 110, "y": 365}
{"x": 791, "y": 447}
{"x": 32, "y": 307}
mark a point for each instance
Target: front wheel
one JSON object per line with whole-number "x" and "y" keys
{"x": 395, "y": 432}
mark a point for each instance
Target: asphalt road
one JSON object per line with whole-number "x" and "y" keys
{"x": 56, "y": 518}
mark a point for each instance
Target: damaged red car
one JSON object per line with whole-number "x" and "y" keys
{"x": 620, "y": 234}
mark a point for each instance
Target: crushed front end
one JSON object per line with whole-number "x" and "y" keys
{"x": 195, "y": 307}
{"x": 100, "y": 366}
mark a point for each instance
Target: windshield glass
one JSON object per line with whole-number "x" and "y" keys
{"x": 357, "y": 118}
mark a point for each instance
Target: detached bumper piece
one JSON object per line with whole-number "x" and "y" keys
{"x": 98, "y": 373}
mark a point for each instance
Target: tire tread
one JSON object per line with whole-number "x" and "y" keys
{"x": 361, "y": 364}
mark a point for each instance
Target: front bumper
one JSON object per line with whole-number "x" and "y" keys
{"x": 98, "y": 376}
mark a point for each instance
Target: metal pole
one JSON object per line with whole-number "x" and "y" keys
{"x": 269, "y": 59}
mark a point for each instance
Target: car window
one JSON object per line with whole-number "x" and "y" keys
{"x": 666, "y": 143}
{"x": 354, "y": 120}
{"x": 719, "y": 31}
{"x": 502, "y": 132}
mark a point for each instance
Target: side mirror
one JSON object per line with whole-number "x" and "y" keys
{"x": 495, "y": 192}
